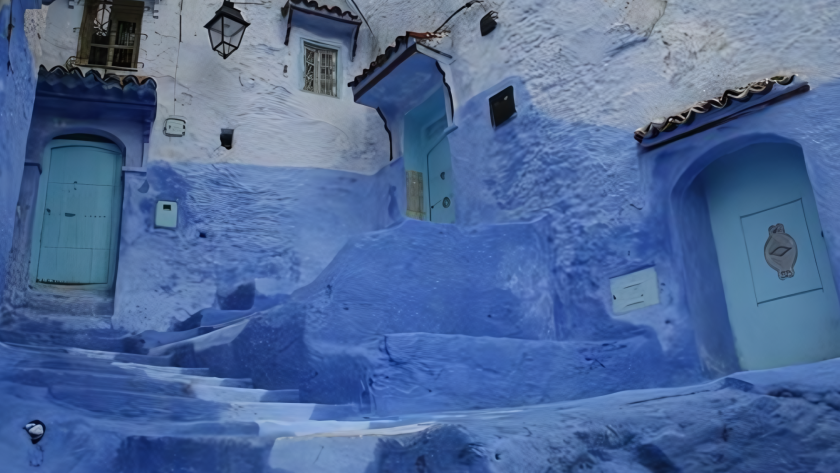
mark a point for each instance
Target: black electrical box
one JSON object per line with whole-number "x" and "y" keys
{"x": 502, "y": 107}
{"x": 227, "y": 138}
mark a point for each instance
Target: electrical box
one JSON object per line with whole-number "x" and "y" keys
{"x": 166, "y": 214}
{"x": 175, "y": 126}
{"x": 634, "y": 291}
{"x": 502, "y": 106}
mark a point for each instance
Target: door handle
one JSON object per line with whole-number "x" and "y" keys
{"x": 69, "y": 214}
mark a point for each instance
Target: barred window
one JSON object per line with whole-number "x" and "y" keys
{"x": 110, "y": 34}
{"x": 319, "y": 72}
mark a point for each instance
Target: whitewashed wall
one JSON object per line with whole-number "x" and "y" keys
{"x": 622, "y": 63}
{"x": 256, "y": 91}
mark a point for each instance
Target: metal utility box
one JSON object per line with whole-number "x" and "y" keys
{"x": 175, "y": 126}
{"x": 634, "y": 291}
{"x": 166, "y": 214}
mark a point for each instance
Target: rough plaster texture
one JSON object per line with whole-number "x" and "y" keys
{"x": 256, "y": 91}
{"x": 273, "y": 227}
{"x": 17, "y": 91}
{"x": 586, "y": 74}
{"x": 115, "y": 415}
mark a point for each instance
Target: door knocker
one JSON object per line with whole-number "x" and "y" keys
{"x": 780, "y": 251}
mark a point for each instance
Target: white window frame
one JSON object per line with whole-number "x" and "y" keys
{"x": 304, "y": 44}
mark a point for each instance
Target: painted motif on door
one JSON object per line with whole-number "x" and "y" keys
{"x": 78, "y": 216}
{"x": 780, "y": 251}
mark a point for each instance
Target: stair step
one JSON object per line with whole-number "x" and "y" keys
{"x": 77, "y": 363}
{"x": 153, "y": 360}
{"x": 91, "y": 340}
{"x": 228, "y": 394}
{"x": 145, "y": 407}
{"x": 96, "y": 380}
{"x": 259, "y": 411}
{"x": 117, "y": 404}
{"x": 165, "y": 369}
{"x": 130, "y": 370}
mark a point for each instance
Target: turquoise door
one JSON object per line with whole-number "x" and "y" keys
{"x": 441, "y": 200}
{"x": 777, "y": 280}
{"x": 427, "y": 153}
{"x": 79, "y": 203}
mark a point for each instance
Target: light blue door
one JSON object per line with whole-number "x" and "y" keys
{"x": 441, "y": 200}
{"x": 427, "y": 153}
{"x": 79, "y": 197}
{"x": 777, "y": 280}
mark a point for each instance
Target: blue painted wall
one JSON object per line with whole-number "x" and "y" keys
{"x": 271, "y": 227}
{"x": 17, "y": 95}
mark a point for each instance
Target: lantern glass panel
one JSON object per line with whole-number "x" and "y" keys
{"x": 233, "y": 28}
{"x": 235, "y": 38}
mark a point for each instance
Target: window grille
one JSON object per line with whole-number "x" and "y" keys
{"x": 110, "y": 34}
{"x": 319, "y": 73}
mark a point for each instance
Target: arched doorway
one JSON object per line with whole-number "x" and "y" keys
{"x": 76, "y": 227}
{"x": 757, "y": 207}
{"x": 428, "y": 161}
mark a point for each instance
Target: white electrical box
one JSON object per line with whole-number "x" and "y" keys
{"x": 166, "y": 214}
{"x": 175, "y": 126}
{"x": 634, "y": 291}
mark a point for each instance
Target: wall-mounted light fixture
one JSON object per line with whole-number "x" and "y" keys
{"x": 226, "y": 29}
{"x": 488, "y": 23}
{"x": 227, "y": 138}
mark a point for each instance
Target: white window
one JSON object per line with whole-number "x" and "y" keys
{"x": 319, "y": 70}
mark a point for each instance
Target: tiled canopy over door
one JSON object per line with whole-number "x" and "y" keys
{"x": 76, "y": 237}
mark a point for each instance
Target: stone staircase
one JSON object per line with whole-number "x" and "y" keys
{"x": 141, "y": 401}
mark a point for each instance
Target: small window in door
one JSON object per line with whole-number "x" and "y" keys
{"x": 110, "y": 34}
{"x": 320, "y": 70}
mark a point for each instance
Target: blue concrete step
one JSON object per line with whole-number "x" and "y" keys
{"x": 424, "y": 372}
{"x": 81, "y": 367}
{"x": 228, "y": 394}
{"x": 96, "y": 354}
{"x": 124, "y": 405}
{"x": 97, "y": 339}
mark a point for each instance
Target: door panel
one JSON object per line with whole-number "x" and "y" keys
{"x": 76, "y": 235}
{"x": 82, "y": 165}
{"x": 99, "y": 266}
{"x": 441, "y": 200}
{"x": 428, "y": 162}
{"x": 52, "y": 216}
{"x": 766, "y": 281}
{"x": 775, "y": 322}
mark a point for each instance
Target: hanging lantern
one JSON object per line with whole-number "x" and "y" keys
{"x": 226, "y": 29}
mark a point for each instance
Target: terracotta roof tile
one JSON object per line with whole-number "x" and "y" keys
{"x": 389, "y": 51}
{"x": 652, "y": 130}
{"x": 73, "y": 83}
{"x": 323, "y": 8}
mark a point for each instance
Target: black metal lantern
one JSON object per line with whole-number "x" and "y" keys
{"x": 226, "y": 29}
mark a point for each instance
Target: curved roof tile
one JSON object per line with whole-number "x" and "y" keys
{"x": 75, "y": 84}
{"x": 389, "y": 51}
{"x": 763, "y": 87}
{"x": 324, "y": 8}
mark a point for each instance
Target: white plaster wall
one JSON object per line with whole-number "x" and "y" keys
{"x": 618, "y": 63}
{"x": 622, "y": 63}
{"x": 256, "y": 91}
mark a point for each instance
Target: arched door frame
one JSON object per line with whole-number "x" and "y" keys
{"x": 678, "y": 165}
{"x": 116, "y": 212}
